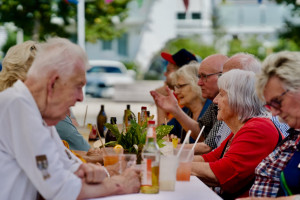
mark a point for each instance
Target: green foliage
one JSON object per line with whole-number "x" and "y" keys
{"x": 10, "y": 41}
{"x": 35, "y": 17}
{"x": 135, "y": 136}
{"x": 99, "y": 19}
{"x": 286, "y": 44}
{"x": 250, "y": 45}
{"x": 193, "y": 44}
{"x": 289, "y": 35}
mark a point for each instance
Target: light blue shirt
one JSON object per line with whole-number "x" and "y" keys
{"x": 68, "y": 132}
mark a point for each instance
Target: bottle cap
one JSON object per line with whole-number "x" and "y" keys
{"x": 128, "y": 106}
{"x": 144, "y": 108}
{"x": 151, "y": 122}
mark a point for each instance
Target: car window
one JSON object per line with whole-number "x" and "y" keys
{"x": 104, "y": 69}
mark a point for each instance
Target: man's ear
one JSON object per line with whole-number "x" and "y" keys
{"x": 51, "y": 84}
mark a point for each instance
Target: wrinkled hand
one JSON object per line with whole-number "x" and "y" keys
{"x": 167, "y": 103}
{"x": 91, "y": 173}
{"x": 129, "y": 181}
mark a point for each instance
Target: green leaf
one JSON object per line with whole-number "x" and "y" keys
{"x": 163, "y": 130}
{"x": 136, "y": 135}
{"x": 113, "y": 128}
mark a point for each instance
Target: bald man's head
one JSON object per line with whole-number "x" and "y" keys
{"x": 210, "y": 69}
{"x": 243, "y": 61}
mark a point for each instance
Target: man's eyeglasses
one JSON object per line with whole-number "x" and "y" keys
{"x": 276, "y": 102}
{"x": 203, "y": 77}
{"x": 179, "y": 86}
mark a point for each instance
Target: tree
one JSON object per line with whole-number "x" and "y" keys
{"x": 250, "y": 45}
{"x": 102, "y": 19}
{"x": 36, "y": 17}
{"x": 42, "y": 18}
{"x": 289, "y": 35}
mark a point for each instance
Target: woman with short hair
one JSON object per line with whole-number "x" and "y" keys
{"x": 279, "y": 86}
{"x": 231, "y": 166}
{"x": 189, "y": 95}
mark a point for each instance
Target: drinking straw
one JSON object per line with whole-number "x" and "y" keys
{"x": 86, "y": 108}
{"x": 198, "y": 138}
{"x": 185, "y": 140}
{"x": 192, "y": 151}
{"x": 101, "y": 140}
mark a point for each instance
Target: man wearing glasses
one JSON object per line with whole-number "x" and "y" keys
{"x": 210, "y": 69}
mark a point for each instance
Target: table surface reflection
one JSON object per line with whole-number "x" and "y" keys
{"x": 195, "y": 189}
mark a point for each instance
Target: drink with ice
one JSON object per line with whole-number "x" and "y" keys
{"x": 185, "y": 164}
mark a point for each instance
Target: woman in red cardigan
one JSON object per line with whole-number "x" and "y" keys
{"x": 230, "y": 167}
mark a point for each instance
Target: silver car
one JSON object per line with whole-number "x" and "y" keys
{"x": 103, "y": 75}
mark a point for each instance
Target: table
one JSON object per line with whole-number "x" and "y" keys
{"x": 195, "y": 189}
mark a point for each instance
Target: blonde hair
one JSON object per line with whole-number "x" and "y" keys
{"x": 285, "y": 65}
{"x": 16, "y": 63}
{"x": 189, "y": 73}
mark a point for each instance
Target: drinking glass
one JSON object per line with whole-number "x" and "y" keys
{"x": 185, "y": 164}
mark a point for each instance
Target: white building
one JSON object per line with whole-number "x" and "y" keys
{"x": 150, "y": 26}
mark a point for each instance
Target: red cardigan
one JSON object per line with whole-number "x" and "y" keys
{"x": 252, "y": 143}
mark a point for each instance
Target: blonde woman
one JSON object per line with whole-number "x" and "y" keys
{"x": 189, "y": 95}
{"x": 16, "y": 63}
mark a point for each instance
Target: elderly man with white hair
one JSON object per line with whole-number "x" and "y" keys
{"x": 33, "y": 160}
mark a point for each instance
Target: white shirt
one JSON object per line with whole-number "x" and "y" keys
{"x": 32, "y": 156}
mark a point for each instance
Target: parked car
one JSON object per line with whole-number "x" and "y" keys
{"x": 104, "y": 75}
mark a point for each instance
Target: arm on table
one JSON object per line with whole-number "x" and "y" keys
{"x": 127, "y": 183}
{"x": 200, "y": 148}
{"x": 169, "y": 104}
{"x": 203, "y": 171}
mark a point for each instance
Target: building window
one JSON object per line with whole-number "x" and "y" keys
{"x": 181, "y": 16}
{"x": 106, "y": 45}
{"x": 123, "y": 45}
{"x": 196, "y": 15}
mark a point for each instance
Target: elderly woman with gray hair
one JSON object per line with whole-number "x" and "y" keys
{"x": 189, "y": 95}
{"x": 231, "y": 166}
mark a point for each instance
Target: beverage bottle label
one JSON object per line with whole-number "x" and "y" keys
{"x": 146, "y": 172}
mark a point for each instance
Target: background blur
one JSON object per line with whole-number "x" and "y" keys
{"x": 135, "y": 32}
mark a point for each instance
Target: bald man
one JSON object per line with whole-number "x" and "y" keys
{"x": 210, "y": 69}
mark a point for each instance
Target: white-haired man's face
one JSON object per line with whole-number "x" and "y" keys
{"x": 282, "y": 102}
{"x": 64, "y": 95}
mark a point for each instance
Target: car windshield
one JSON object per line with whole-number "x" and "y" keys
{"x": 104, "y": 69}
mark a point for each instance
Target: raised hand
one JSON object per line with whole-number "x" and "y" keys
{"x": 168, "y": 103}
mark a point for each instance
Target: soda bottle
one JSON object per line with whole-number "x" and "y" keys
{"x": 150, "y": 163}
{"x": 101, "y": 120}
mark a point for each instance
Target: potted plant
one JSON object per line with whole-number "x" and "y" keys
{"x": 133, "y": 139}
